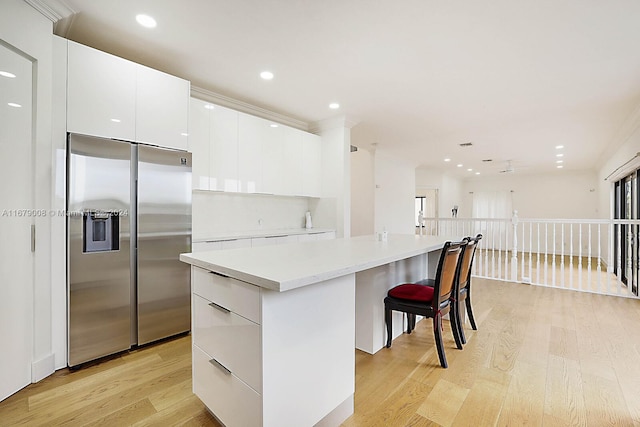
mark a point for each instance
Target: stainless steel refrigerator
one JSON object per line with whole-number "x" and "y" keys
{"x": 129, "y": 218}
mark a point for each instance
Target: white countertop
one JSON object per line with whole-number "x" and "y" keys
{"x": 234, "y": 235}
{"x": 290, "y": 266}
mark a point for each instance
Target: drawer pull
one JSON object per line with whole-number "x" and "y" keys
{"x": 214, "y": 362}
{"x": 219, "y": 274}
{"x": 219, "y": 307}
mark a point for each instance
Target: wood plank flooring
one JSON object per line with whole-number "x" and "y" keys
{"x": 541, "y": 357}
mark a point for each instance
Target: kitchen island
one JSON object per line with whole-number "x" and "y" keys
{"x": 274, "y": 328}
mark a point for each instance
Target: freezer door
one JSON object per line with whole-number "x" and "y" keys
{"x": 164, "y": 232}
{"x": 98, "y": 224}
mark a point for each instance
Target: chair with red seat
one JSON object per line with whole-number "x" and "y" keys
{"x": 464, "y": 287}
{"x": 434, "y": 302}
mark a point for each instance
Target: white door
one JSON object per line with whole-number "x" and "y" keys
{"x": 16, "y": 218}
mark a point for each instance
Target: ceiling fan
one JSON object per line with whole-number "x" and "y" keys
{"x": 508, "y": 168}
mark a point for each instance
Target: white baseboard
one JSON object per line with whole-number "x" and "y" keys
{"x": 338, "y": 415}
{"x": 42, "y": 368}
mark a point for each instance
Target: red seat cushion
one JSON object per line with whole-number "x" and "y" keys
{"x": 412, "y": 292}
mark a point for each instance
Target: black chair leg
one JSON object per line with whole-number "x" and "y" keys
{"x": 411, "y": 322}
{"x": 454, "y": 319}
{"x": 387, "y": 321}
{"x": 437, "y": 333}
{"x": 470, "y": 313}
{"x": 461, "y": 319}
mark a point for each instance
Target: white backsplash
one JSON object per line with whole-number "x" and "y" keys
{"x": 216, "y": 212}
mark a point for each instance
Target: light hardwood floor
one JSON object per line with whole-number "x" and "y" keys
{"x": 541, "y": 357}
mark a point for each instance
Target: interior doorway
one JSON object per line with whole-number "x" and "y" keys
{"x": 427, "y": 205}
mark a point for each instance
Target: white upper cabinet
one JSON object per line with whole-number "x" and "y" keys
{"x": 238, "y": 152}
{"x": 311, "y": 165}
{"x": 199, "y": 130}
{"x": 292, "y": 162}
{"x": 250, "y": 133}
{"x": 101, "y": 97}
{"x": 224, "y": 150}
{"x": 162, "y": 109}
{"x": 111, "y": 97}
{"x": 272, "y": 171}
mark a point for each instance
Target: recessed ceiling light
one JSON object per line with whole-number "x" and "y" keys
{"x": 7, "y": 74}
{"x": 447, "y": 159}
{"x": 209, "y": 106}
{"x": 273, "y": 125}
{"x": 559, "y": 166}
{"x": 13, "y": 104}
{"x": 146, "y": 21}
{"x": 184, "y": 134}
{"x": 469, "y": 170}
{"x": 477, "y": 173}
{"x": 266, "y": 75}
{"x": 116, "y": 120}
{"x": 559, "y": 161}
{"x": 459, "y": 165}
{"x": 334, "y": 105}
{"x": 559, "y": 147}
{"x": 559, "y": 155}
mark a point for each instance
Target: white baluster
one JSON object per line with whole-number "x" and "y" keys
{"x": 514, "y": 250}
{"x": 580, "y": 257}
{"x": 553, "y": 258}
{"x": 562, "y": 254}
{"x": 599, "y": 268}
{"x": 571, "y": 256}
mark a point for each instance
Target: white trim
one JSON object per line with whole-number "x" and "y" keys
{"x": 225, "y": 101}
{"x": 53, "y": 10}
{"x": 625, "y": 169}
{"x": 42, "y": 368}
{"x": 333, "y": 123}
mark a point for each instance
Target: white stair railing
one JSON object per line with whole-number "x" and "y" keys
{"x": 599, "y": 256}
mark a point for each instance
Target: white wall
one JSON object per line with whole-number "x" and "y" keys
{"x": 362, "y": 193}
{"x": 615, "y": 159}
{"x": 395, "y": 191}
{"x": 559, "y": 195}
{"x": 333, "y": 209}
{"x": 449, "y": 188}
{"x": 24, "y": 28}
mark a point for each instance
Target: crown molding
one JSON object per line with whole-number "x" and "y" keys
{"x": 54, "y": 10}
{"x": 333, "y": 123}
{"x": 225, "y": 101}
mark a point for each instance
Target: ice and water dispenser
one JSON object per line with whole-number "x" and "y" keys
{"x": 100, "y": 231}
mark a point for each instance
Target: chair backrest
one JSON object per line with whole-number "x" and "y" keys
{"x": 447, "y": 272}
{"x": 467, "y": 260}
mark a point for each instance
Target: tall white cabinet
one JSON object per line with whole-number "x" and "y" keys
{"x": 101, "y": 94}
{"x": 111, "y": 97}
{"x": 238, "y": 152}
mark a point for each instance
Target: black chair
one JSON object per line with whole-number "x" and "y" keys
{"x": 464, "y": 287}
{"x": 434, "y": 302}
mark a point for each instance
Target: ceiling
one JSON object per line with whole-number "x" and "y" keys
{"x": 420, "y": 77}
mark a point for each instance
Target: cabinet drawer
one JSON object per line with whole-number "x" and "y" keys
{"x": 231, "y": 400}
{"x": 240, "y": 297}
{"x": 231, "y": 339}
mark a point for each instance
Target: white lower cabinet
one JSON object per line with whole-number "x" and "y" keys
{"x": 231, "y": 400}
{"x": 263, "y": 358}
{"x": 206, "y": 246}
{"x": 227, "y": 349}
